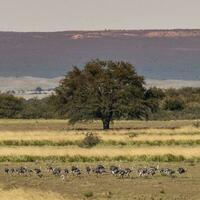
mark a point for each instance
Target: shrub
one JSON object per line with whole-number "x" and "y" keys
{"x": 162, "y": 191}
{"x": 90, "y": 140}
{"x": 88, "y": 194}
{"x": 155, "y": 93}
{"x": 174, "y": 104}
{"x": 10, "y": 106}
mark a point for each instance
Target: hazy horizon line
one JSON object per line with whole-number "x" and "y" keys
{"x": 103, "y": 30}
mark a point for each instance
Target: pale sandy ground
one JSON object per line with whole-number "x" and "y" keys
{"x": 30, "y": 83}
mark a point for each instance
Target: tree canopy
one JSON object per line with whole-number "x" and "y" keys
{"x": 104, "y": 90}
{"x": 10, "y": 106}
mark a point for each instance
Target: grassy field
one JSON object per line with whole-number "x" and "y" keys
{"x": 60, "y": 125}
{"x": 28, "y": 194}
{"x": 48, "y": 187}
{"x": 36, "y": 143}
{"x": 188, "y": 152}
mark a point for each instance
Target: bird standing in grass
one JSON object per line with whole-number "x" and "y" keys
{"x": 181, "y": 170}
{"x": 62, "y": 176}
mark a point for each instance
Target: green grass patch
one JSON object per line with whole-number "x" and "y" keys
{"x": 101, "y": 143}
{"x": 78, "y": 158}
{"x": 38, "y": 143}
{"x": 88, "y": 194}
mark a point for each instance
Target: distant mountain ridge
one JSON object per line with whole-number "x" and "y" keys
{"x": 157, "y": 54}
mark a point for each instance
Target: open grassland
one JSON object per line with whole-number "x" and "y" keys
{"x": 187, "y": 152}
{"x": 177, "y": 134}
{"x": 59, "y": 133}
{"x": 43, "y": 138}
{"x": 60, "y": 125}
{"x": 49, "y": 187}
{"x": 38, "y": 143}
{"x": 28, "y": 194}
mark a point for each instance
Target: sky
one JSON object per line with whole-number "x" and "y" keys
{"x": 58, "y": 15}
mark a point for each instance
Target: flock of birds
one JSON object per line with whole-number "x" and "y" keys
{"x": 98, "y": 170}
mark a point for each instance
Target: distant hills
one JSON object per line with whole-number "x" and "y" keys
{"x": 157, "y": 54}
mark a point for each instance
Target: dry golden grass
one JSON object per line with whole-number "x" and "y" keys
{"x": 99, "y": 151}
{"x": 185, "y": 133}
{"x": 60, "y": 135}
{"x": 30, "y": 121}
{"x": 28, "y": 194}
{"x": 165, "y": 137}
{"x": 163, "y": 132}
{"x": 41, "y": 135}
{"x": 42, "y": 124}
{"x": 176, "y": 131}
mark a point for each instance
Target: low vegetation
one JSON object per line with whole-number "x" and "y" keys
{"x": 143, "y": 139}
{"x": 88, "y": 194}
{"x": 123, "y": 126}
{"x": 89, "y": 141}
{"x": 111, "y": 152}
{"x": 104, "y": 186}
{"x": 42, "y": 143}
{"x": 95, "y": 159}
{"x": 29, "y": 194}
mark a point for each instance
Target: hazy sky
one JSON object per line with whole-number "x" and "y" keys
{"x": 53, "y": 15}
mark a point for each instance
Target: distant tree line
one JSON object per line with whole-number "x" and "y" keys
{"x": 108, "y": 91}
{"x": 164, "y": 105}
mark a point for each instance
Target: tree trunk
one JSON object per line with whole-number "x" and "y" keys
{"x": 106, "y": 124}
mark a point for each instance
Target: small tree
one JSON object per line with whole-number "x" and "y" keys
{"x": 38, "y": 90}
{"x": 104, "y": 90}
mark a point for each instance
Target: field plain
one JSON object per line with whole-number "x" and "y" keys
{"x": 184, "y": 187}
{"x": 36, "y": 143}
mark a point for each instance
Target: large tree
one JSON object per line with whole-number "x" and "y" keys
{"x": 104, "y": 90}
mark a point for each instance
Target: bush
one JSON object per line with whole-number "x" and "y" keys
{"x": 155, "y": 93}
{"x": 90, "y": 140}
{"x": 38, "y": 108}
{"x": 10, "y": 106}
{"x": 173, "y": 104}
{"x": 162, "y": 191}
{"x": 88, "y": 194}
